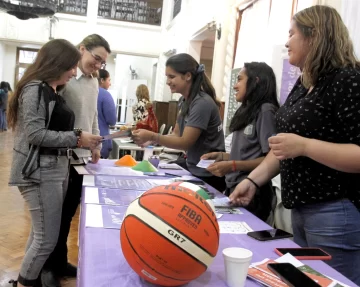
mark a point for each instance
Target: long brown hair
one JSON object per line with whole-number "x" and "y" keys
{"x": 54, "y": 59}
{"x": 183, "y": 63}
{"x": 331, "y": 46}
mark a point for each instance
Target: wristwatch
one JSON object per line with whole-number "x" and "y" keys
{"x": 78, "y": 132}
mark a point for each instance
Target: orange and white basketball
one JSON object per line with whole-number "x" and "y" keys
{"x": 170, "y": 235}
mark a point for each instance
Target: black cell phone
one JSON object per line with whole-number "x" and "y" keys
{"x": 172, "y": 174}
{"x": 304, "y": 253}
{"x": 271, "y": 234}
{"x": 193, "y": 181}
{"x": 291, "y": 275}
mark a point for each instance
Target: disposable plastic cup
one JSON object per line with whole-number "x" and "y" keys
{"x": 237, "y": 261}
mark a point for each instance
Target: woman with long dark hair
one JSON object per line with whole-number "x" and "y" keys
{"x": 199, "y": 127}
{"x": 44, "y": 136}
{"x": 252, "y": 125}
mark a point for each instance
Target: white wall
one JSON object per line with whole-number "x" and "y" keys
{"x": 9, "y": 63}
{"x": 180, "y": 34}
{"x": 2, "y": 55}
{"x": 142, "y": 65}
{"x": 209, "y": 9}
{"x": 110, "y": 67}
{"x": 124, "y": 37}
{"x": 350, "y": 14}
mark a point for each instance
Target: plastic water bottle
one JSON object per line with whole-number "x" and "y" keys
{"x": 148, "y": 152}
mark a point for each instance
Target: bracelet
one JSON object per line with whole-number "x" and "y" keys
{"x": 157, "y": 138}
{"x": 234, "y": 165}
{"x": 78, "y": 133}
{"x": 256, "y": 185}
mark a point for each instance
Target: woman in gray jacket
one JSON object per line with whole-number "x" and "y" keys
{"x": 44, "y": 136}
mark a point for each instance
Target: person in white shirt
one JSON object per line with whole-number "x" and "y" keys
{"x": 80, "y": 95}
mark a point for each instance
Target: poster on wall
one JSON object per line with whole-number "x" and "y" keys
{"x": 290, "y": 74}
{"x": 231, "y": 104}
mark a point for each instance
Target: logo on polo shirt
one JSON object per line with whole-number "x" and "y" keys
{"x": 249, "y": 130}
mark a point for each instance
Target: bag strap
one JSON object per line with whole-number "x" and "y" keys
{"x": 34, "y": 150}
{"x": 46, "y": 100}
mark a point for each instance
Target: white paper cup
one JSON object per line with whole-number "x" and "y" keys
{"x": 237, "y": 261}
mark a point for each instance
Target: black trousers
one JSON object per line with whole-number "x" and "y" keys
{"x": 216, "y": 182}
{"x": 57, "y": 261}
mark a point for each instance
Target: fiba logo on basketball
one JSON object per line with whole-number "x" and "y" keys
{"x": 189, "y": 216}
{"x": 170, "y": 235}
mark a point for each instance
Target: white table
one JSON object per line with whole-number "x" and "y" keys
{"x": 118, "y": 145}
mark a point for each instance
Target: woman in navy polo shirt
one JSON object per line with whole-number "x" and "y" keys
{"x": 252, "y": 125}
{"x": 198, "y": 129}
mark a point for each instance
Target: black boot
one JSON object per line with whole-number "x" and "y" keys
{"x": 49, "y": 279}
{"x": 69, "y": 271}
{"x": 37, "y": 284}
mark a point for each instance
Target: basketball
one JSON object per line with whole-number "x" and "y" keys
{"x": 169, "y": 235}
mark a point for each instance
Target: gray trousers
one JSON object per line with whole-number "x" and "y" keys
{"x": 45, "y": 202}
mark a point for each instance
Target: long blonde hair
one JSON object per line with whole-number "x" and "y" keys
{"x": 142, "y": 92}
{"x": 331, "y": 46}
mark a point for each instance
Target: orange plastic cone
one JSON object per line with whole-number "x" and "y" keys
{"x": 126, "y": 160}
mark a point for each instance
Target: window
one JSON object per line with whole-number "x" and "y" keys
{"x": 24, "y": 58}
{"x": 177, "y": 8}
{"x": 76, "y": 7}
{"x": 138, "y": 11}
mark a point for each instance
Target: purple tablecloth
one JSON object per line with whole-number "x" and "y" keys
{"x": 102, "y": 264}
{"x": 102, "y": 167}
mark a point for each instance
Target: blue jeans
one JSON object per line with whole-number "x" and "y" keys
{"x": 3, "y": 123}
{"x": 334, "y": 227}
{"x": 45, "y": 202}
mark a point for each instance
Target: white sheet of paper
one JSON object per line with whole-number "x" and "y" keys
{"x": 81, "y": 169}
{"x": 234, "y": 227}
{"x": 91, "y": 195}
{"x": 94, "y": 216}
{"x": 204, "y": 163}
{"x": 158, "y": 182}
{"x": 228, "y": 210}
{"x": 126, "y": 140}
{"x": 222, "y": 201}
{"x": 169, "y": 165}
{"x": 89, "y": 180}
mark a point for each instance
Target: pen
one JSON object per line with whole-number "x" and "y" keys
{"x": 171, "y": 174}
